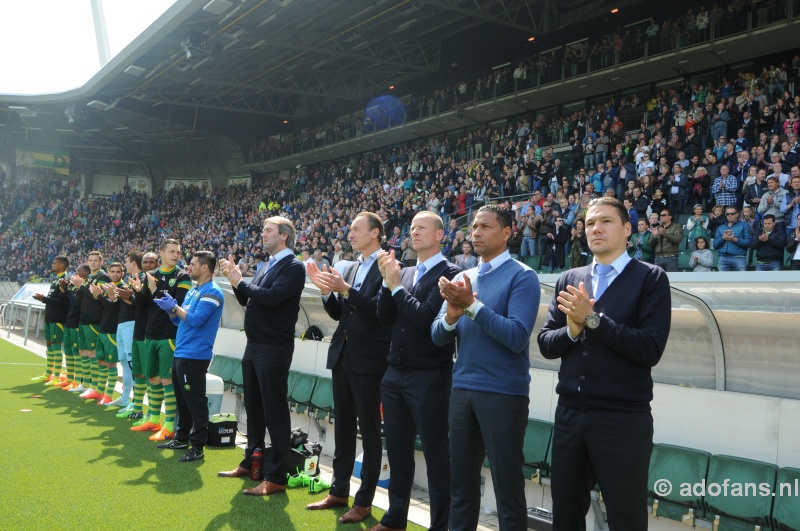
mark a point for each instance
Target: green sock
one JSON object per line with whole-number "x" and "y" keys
{"x": 86, "y": 376}
{"x": 102, "y": 371}
{"x": 58, "y": 359}
{"x": 113, "y": 374}
{"x": 70, "y": 361}
{"x": 49, "y": 367}
{"x": 94, "y": 367}
{"x": 154, "y": 400}
{"x": 139, "y": 388}
{"x": 170, "y": 406}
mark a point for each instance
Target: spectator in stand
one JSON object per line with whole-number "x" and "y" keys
{"x": 639, "y": 243}
{"x": 696, "y": 226}
{"x": 770, "y": 243}
{"x": 724, "y": 187}
{"x": 466, "y": 260}
{"x": 792, "y": 247}
{"x": 579, "y": 247}
{"x": 665, "y": 241}
{"x": 702, "y": 258}
{"x": 732, "y": 241}
{"x": 791, "y": 204}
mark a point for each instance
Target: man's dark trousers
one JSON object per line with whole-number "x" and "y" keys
{"x": 265, "y": 374}
{"x": 189, "y": 383}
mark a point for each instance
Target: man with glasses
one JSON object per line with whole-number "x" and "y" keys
{"x": 665, "y": 239}
{"x": 732, "y": 241}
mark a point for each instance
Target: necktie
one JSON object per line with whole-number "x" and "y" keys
{"x": 420, "y": 271}
{"x": 602, "y": 271}
{"x": 483, "y": 268}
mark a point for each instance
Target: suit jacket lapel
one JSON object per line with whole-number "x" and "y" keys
{"x": 587, "y": 280}
{"x": 350, "y": 275}
{"x": 373, "y": 270}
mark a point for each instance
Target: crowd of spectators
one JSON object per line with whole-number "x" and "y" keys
{"x": 695, "y": 25}
{"x": 742, "y": 133}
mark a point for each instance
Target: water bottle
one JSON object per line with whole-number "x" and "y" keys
{"x": 255, "y": 465}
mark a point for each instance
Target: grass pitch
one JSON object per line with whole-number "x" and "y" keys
{"x": 70, "y": 464}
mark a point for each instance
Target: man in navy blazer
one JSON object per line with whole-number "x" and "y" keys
{"x": 273, "y": 304}
{"x": 608, "y": 343}
{"x": 357, "y": 360}
{"x": 415, "y": 390}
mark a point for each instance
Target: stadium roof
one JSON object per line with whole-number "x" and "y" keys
{"x": 239, "y": 68}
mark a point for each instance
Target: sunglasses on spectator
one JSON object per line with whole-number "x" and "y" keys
{"x": 559, "y": 220}
{"x": 731, "y": 213}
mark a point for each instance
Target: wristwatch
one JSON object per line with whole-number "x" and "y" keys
{"x": 469, "y": 311}
{"x": 592, "y": 321}
{"x": 174, "y": 309}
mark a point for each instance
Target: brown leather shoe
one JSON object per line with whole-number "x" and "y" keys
{"x": 329, "y": 502}
{"x": 381, "y": 527}
{"x": 356, "y": 514}
{"x": 237, "y": 472}
{"x": 265, "y": 488}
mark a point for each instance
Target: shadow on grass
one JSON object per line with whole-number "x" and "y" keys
{"x": 255, "y": 512}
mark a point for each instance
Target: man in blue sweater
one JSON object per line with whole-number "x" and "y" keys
{"x": 608, "y": 343}
{"x": 198, "y": 322}
{"x": 490, "y": 312}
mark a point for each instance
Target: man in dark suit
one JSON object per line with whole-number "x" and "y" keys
{"x": 273, "y": 303}
{"x": 608, "y": 344}
{"x": 357, "y": 360}
{"x": 415, "y": 390}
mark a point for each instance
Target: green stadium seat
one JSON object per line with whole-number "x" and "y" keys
{"x": 548, "y": 464}
{"x": 418, "y": 443}
{"x": 226, "y": 369}
{"x": 216, "y": 364}
{"x": 748, "y": 508}
{"x": 535, "y": 448}
{"x": 237, "y": 379}
{"x": 677, "y": 465}
{"x": 786, "y": 512}
{"x": 715, "y": 265}
{"x": 750, "y": 260}
{"x": 684, "y": 261}
{"x": 290, "y": 384}
{"x": 303, "y": 391}
{"x": 684, "y": 245}
{"x": 322, "y": 399}
{"x": 532, "y": 261}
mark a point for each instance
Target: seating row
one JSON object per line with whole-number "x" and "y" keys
{"x": 729, "y": 493}
{"x": 306, "y": 392}
{"x": 732, "y": 493}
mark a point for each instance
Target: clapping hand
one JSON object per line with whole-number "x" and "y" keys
{"x": 328, "y": 280}
{"x": 151, "y": 283}
{"x": 76, "y": 281}
{"x": 166, "y": 303}
{"x": 110, "y": 289}
{"x": 389, "y": 268}
{"x": 95, "y": 290}
{"x": 230, "y": 270}
{"x": 135, "y": 283}
{"x": 124, "y": 293}
{"x": 63, "y": 284}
